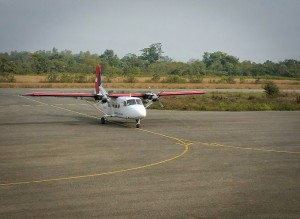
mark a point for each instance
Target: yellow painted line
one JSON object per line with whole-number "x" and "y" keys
{"x": 45, "y": 104}
{"x": 241, "y": 148}
{"x": 58, "y": 107}
{"x": 183, "y": 142}
{"x": 179, "y": 141}
{"x": 186, "y": 148}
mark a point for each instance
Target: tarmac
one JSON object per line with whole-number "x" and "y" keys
{"x": 58, "y": 161}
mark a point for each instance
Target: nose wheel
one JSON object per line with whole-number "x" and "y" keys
{"x": 138, "y": 123}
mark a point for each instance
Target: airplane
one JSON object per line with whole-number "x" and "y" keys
{"x": 122, "y": 105}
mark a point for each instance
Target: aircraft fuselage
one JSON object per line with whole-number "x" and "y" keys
{"x": 125, "y": 107}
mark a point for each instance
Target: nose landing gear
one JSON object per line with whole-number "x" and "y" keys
{"x": 138, "y": 123}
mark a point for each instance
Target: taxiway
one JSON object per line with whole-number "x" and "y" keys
{"x": 58, "y": 161}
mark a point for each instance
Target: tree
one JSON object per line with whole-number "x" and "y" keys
{"x": 7, "y": 66}
{"x": 150, "y": 61}
{"x": 133, "y": 61}
{"x": 246, "y": 68}
{"x": 57, "y": 65}
{"x": 39, "y": 63}
{"x": 292, "y": 68}
{"x": 153, "y": 53}
{"x": 221, "y": 63}
{"x": 197, "y": 67}
{"x": 110, "y": 57}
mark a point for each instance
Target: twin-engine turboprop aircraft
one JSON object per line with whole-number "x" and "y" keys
{"x": 129, "y": 106}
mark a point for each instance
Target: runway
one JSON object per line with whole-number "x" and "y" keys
{"x": 58, "y": 161}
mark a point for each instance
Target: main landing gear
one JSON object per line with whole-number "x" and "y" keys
{"x": 103, "y": 120}
{"x": 138, "y": 122}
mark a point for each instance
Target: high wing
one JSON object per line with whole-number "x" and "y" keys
{"x": 47, "y": 94}
{"x": 78, "y": 95}
{"x": 150, "y": 97}
{"x": 126, "y": 95}
{"x": 172, "y": 93}
{"x": 160, "y": 94}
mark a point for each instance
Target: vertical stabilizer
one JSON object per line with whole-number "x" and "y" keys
{"x": 98, "y": 81}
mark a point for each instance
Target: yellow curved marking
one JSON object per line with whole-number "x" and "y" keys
{"x": 58, "y": 107}
{"x": 186, "y": 148}
{"x": 181, "y": 142}
{"x": 237, "y": 147}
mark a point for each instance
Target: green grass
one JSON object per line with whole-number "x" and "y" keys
{"x": 231, "y": 102}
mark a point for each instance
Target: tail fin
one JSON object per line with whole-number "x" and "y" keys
{"x": 99, "y": 90}
{"x": 98, "y": 81}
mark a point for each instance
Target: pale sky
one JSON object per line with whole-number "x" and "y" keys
{"x": 255, "y": 30}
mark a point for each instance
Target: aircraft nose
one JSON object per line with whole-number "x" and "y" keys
{"x": 143, "y": 112}
{"x": 140, "y": 112}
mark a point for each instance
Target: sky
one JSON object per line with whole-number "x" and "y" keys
{"x": 256, "y": 30}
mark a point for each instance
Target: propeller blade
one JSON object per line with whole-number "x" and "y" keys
{"x": 161, "y": 105}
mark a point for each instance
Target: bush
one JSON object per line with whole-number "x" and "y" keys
{"x": 52, "y": 77}
{"x": 5, "y": 77}
{"x": 195, "y": 79}
{"x": 130, "y": 79}
{"x": 66, "y": 78}
{"x": 230, "y": 80}
{"x": 155, "y": 77}
{"x": 174, "y": 79}
{"x": 79, "y": 78}
{"x": 271, "y": 89}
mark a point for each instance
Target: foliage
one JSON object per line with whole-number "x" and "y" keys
{"x": 149, "y": 62}
{"x": 130, "y": 79}
{"x": 228, "y": 101}
{"x": 6, "y": 77}
{"x": 271, "y": 89}
{"x": 155, "y": 77}
{"x": 52, "y": 77}
{"x": 174, "y": 79}
{"x": 195, "y": 79}
{"x": 153, "y": 53}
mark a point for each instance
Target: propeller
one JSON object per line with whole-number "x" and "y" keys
{"x": 152, "y": 97}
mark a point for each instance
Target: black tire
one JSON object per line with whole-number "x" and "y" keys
{"x": 103, "y": 120}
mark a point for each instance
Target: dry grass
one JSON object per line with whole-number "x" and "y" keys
{"x": 29, "y": 81}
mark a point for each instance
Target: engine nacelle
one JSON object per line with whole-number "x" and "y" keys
{"x": 154, "y": 97}
{"x": 104, "y": 99}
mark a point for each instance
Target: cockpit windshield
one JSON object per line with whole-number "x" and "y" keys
{"x": 133, "y": 102}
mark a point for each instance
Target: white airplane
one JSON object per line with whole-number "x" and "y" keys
{"x": 129, "y": 106}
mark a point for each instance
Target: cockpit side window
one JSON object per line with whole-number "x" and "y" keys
{"x": 139, "y": 102}
{"x": 131, "y": 102}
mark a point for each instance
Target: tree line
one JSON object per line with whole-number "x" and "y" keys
{"x": 150, "y": 62}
